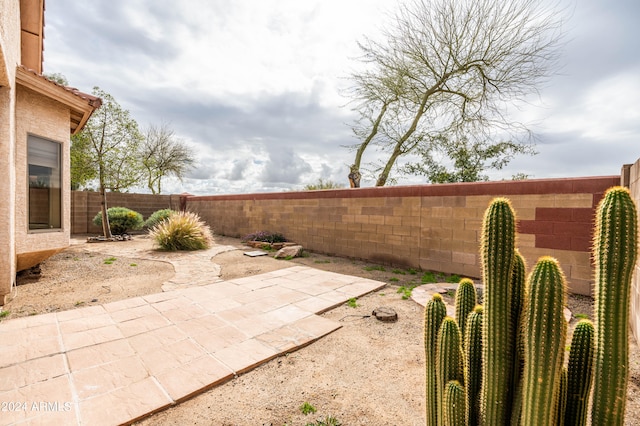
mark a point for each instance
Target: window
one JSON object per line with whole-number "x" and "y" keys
{"x": 45, "y": 177}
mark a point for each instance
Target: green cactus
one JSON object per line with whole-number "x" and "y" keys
{"x": 546, "y": 328}
{"x": 449, "y": 360}
{"x": 517, "y": 300}
{"x": 473, "y": 365}
{"x": 561, "y": 403}
{"x": 615, "y": 255}
{"x": 523, "y": 337}
{"x": 466, "y": 299}
{"x": 434, "y": 314}
{"x": 579, "y": 375}
{"x": 454, "y": 404}
{"x": 498, "y": 252}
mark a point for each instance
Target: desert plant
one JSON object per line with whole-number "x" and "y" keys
{"x": 406, "y": 291}
{"x": 579, "y": 373}
{"x": 182, "y": 231}
{"x": 466, "y": 299}
{"x": 615, "y": 255}
{"x": 326, "y": 421}
{"x": 543, "y": 352}
{"x": 428, "y": 278}
{"x": 121, "y": 220}
{"x": 434, "y": 314}
{"x": 307, "y": 408}
{"x": 473, "y": 364}
{"x": 157, "y": 217}
{"x": 523, "y": 344}
{"x": 265, "y": 237}
{"x": 449, "y": 362}
{"x": 497, "y": 251}
{"x": 454, "y": 404}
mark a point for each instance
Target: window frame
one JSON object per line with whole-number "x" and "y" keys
{"x": 55, "y": 179}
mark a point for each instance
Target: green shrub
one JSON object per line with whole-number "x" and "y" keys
{"x": 265, "y": 236}
{"x": 157, "y": 217}
{"x": 182, "y": 231}
{"x": 121, "y": 219}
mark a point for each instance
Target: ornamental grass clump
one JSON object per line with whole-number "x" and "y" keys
{"x": 121, "y": 220}
{"x": 182, "y": 231}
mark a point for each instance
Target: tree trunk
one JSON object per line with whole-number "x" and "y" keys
{"x": 384, "y": 174}
{"x": 106, "y": 228}
{"x": 354, "y": 176}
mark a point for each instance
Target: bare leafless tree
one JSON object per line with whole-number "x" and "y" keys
{"x": 447, "y": 65}
{"x": 163, "y": 154}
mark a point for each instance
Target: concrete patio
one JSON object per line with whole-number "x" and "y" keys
{"x": 114, "y": 363}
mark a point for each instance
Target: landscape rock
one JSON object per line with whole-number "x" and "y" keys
{"x": 289, "y": 251}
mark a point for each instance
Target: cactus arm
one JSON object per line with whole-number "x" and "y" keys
{"x": 579, "y": 374}
{"x": 561, "y": 402}
{"x": 497, "y": 253}
{"x": 449, "y": 360}
{"x": 517, "y": 300}
{"x": 454, "y": 404}
{"x": 473, "y": 365}
{"x": 615, "y": 255}
{"x": 434, "y": 313}
{"x": 466, "y": 299}
{"x": 545, "y": 328}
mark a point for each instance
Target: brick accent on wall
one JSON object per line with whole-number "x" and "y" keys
{"x": 563, "y": 228}
{"x": 432, "y": 227}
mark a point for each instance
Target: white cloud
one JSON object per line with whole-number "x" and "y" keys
{"x": 255, "y": 85}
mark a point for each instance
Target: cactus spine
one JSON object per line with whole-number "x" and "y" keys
{"x": 454, "y": 404}
{"x": 473, "y": 365}
{"x": 449, "y": 360}
{"x": 434, "y": 313}
{"x": 544, "y": 322}
{"x": 579, "y": 374}
{"x": 497, "y": 252}
{"x": 615, "y": 255}
{"x": 466, "y": 299}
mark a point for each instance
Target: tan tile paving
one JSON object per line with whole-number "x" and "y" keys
{"x": 118, "y": 362}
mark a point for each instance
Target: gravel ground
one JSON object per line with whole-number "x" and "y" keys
{"x": 365, "y": 373}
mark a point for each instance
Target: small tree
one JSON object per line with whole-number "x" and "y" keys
{"x": 113, "y": 142}
{"x": 447, "y": 65}
{"x": 464, "y": 159}
{"x": 323, "y": 184}
{"x": 82, "y": 163}
{"x": 164, "y": 155}
{"x": 57, "y": 77}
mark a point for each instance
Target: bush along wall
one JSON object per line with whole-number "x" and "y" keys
{"x": 506, "y": 366}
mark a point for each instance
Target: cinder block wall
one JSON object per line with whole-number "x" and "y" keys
{"x": 634, "y": 186}
{"x": 432, "y": 227}
{"x": 85, "y": 205}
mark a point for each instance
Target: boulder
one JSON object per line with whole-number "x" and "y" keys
{"x": 289, "y": 251}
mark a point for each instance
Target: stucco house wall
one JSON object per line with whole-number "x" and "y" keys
{"x": 9, "y": 57}
{"x": 31, "y": 105}
{"x": 44, "y": 117}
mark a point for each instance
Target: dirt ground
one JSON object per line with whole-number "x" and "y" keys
{"x": 366, "y": 373}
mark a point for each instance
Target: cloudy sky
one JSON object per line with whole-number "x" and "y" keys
{"x": 256, "y": 86}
